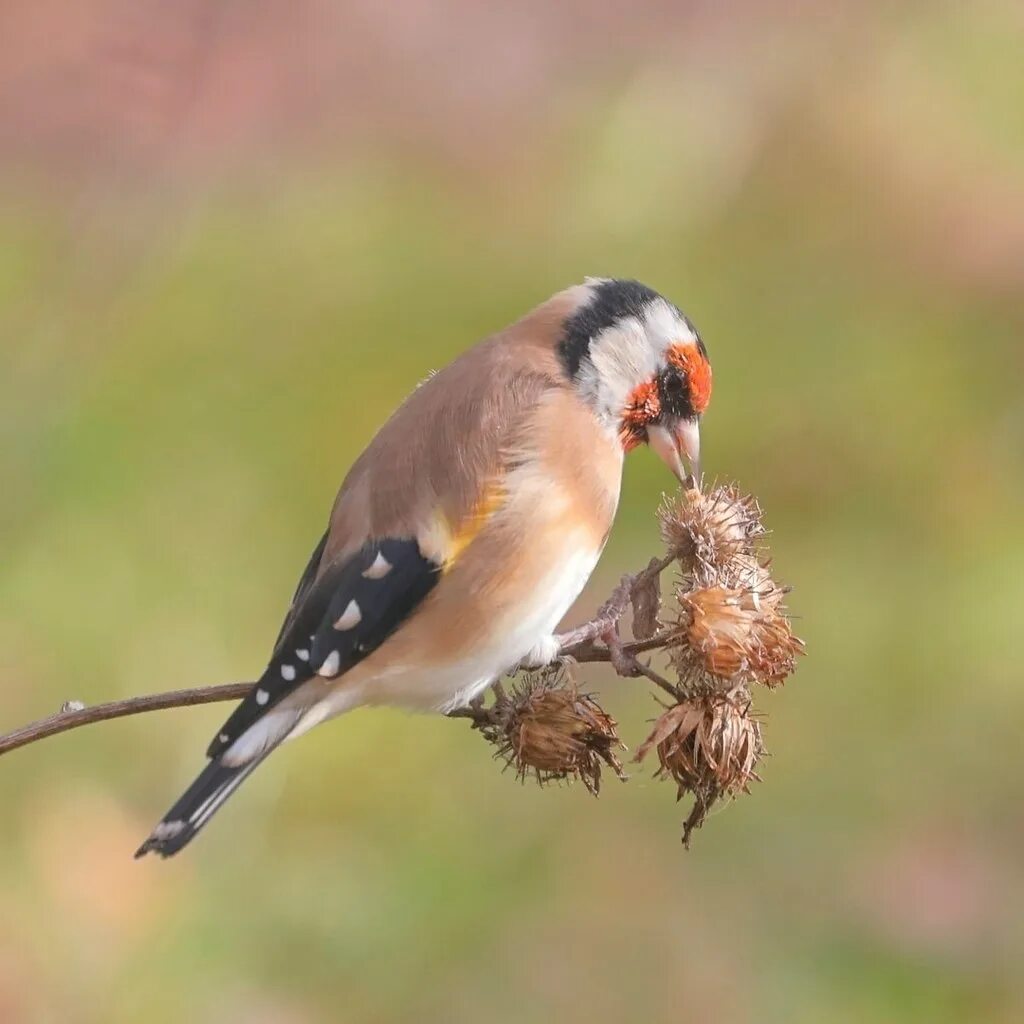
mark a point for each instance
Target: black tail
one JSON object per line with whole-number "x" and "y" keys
{"x": 215, "y": 783}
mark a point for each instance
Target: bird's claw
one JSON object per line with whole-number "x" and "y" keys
{"x": 624, "y": 663}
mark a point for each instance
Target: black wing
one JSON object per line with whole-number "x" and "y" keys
{"x": 344, "y": 616}
{"x": 334, "y": 622}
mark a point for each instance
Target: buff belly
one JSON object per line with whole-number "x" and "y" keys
{"x": 401, "y": 676}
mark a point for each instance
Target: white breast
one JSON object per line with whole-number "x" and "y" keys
{"x": 524, "y": 627}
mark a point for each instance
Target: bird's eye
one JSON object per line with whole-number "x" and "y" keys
{"x": 691, "y": 363}
{"x": 675, "y": 392}
{"x": 672, "y": 383}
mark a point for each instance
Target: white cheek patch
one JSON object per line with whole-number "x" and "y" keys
{"x": 629, "y": 354}
{"x": 620, "y": 358}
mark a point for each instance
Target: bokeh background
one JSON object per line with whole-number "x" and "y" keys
{"x": 234, "y": 236}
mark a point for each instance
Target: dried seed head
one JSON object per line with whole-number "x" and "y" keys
{"x": 746, "y": 572}
{"x": 732, "y": 635}
{"x": 705, "y": 530}
{"x": 549, "y": 729}
{"x": 710, "y": 746}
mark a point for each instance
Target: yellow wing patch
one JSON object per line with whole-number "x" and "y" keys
{"x": 461, "y": 535}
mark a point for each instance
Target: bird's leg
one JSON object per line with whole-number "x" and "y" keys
{"x": 624, "y": 663}
{"x": 607, "y": 617}
{"x": 579, "y": 642}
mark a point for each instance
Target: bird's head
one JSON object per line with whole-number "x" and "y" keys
{"x": 640, "y": 365}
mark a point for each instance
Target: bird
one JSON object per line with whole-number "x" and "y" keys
{"x": 469, "y": 525}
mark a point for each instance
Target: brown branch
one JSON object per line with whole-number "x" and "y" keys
{"x": 76, "y": 716}
{"x": 587, "y": 643}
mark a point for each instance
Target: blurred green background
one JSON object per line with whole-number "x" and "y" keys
{"x": 236, "y": 235}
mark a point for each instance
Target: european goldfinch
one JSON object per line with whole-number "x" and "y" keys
{"x": 470, "y": 524}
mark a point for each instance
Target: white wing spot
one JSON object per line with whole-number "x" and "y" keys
{"x": 380, "y": 568}
{"x": 262, "y": 696}
{"x": 288, "y": 672}
{"x": 350, "y": 618}
{"x": 168, "y": 829}
{"x": 331, "y": 665}
{"x": 302, "y": 654}
{"x": 223, "y": 737}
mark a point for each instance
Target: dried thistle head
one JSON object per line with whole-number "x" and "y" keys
{"x": 748, "y": 573}
{"x": 547, "y": 728}
{"x": 705, "y": 530}
{"x": 710, "y": 747}
{"x": 732, "y": 635}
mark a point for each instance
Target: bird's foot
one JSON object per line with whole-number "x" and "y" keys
{"x": 477, "y": 712}
{"x": 625, "y": 663}
{"x": 582, "y": 638}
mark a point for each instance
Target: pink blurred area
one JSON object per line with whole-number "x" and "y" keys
{"x": 196, "y": 85}
{"x": 936, "y": 889}
{"x": 113, "y": 95}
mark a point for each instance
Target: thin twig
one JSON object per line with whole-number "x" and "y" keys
{"x": 581, "y": 644}
{"x": 64, "y": 720}
{"x": 592, "y": 652}
{"x": 658, "y": 679}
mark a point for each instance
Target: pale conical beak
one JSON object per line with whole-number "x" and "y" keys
{"x": 671, "y": 444}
